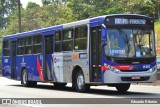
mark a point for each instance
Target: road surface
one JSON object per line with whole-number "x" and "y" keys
{"x": 13, "y": 89}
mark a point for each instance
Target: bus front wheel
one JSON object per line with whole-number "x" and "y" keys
{"x": 80, "y": 85}
{"x": 24, "y": 79}
{"x": 122, "y": 87}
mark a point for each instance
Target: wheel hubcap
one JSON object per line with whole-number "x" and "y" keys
{"x": 80, "y": 81}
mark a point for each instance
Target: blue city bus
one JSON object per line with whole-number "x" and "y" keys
{"x": 114, "y": 50}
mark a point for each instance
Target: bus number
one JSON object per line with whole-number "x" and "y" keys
{"x": 146, "y": 66}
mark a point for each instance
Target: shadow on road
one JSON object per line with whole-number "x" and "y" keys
{"x": 128, "y": 94}
{"x": 103, "y": 92}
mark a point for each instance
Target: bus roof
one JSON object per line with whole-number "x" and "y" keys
{"x": 57, "y": 27}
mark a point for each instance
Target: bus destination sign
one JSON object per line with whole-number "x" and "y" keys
{"x": 130, "y": 21}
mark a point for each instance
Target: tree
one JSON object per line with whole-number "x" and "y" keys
{"x": 46, "y": 2}
{"x": 7, "y": 8}
{"x": 156, "y": 5}
{"x": 86, "y": 8}
{"x": 1, "y": 17}
{"x": 81, "y": 9}
{"x": 58, "y": 2}
{"x": 37, "y": 17}
{"x": 32, "y": 5}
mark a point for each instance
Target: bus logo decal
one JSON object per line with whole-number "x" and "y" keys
{"x": 23, "y": 64}
{"x": 131, "y": 67}
{"x": 5, "y": 60}
{"x": 23, "y": 60}
{"x": 75, "y": 56}
{"x": 87, "y": 62}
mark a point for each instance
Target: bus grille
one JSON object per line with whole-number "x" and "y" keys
{"x": 131, "y": 61}
{"x": 133, "y": 71}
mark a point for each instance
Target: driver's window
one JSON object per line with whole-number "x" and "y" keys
{"x": 113, "y": 38}
{"x": 114, "y": 41}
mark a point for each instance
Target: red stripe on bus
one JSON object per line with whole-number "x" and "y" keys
{"x": 103, "y": 68}
{"x": 39, "y": 70}
{"x": 124, "y": 67}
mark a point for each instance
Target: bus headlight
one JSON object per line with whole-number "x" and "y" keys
{"x": 114, "y": 69}
{"x": 152, "y": 69}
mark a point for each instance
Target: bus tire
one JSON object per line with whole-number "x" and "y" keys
{"x": 24, "y": 79}
{"x": 79, "y": 84}
{"x": 59, "y": 85}
{"x": 122, "y": 87}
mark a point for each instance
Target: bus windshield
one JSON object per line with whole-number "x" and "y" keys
{"x": 130, "y": 42}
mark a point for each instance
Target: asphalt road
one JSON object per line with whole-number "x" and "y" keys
{"x": 13, "y": 89}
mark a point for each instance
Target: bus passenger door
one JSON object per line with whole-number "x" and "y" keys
{"x": 95, "y": 54}
{"x": 13, "y": 58}
{"x": 47, "y": 57}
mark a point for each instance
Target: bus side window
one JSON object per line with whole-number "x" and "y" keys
{"x": 29, "y": 45}
{"x": 37, "y": 44}
{"x": 80, "y": 42}
{"x": 67, "y": 43}
{"x": 58, "y": 43}
{"x": 21, "y": 46}
{"x": 6, "y": 47}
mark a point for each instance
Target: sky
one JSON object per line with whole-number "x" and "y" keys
{"x": 25, "y": 2}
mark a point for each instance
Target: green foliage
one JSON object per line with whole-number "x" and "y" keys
{"x": 31, "y": 5}
{"x": 156, "y": 8}
{"x": 46, "y": 2}
{"x": 37, "y": 17}
{"x": 6, "y": 9}
{"x": 1, "y": 16}
{"x": 89, "y": 8}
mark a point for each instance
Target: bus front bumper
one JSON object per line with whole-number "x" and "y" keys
{"x": 129, "y": 77}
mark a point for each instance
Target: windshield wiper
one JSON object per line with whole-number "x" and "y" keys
{"x": 125, "y": 39}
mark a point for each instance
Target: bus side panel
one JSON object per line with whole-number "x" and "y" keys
{"x": 33, "y": 64}
{"x": 49, "y": 67}
{"x": 71, "y": 60}
{"x": 81, "y": 59}
{"x": 29, "y": 65}
{"x": 34, "y": 67}
{"x": 6, "y": 67}
{"x": 67, "y": 66}
{"x": 36, "y": 73}
{"x": 19, "y": 65}
{"x": 58, "y": 67}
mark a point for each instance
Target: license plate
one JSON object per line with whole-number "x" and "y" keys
{"x": 136, "y": 77}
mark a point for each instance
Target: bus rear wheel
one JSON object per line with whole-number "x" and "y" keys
{"x": 24, "y": 79}
{"x": 79, "y": 82}
{"x": 122, "y": 87}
